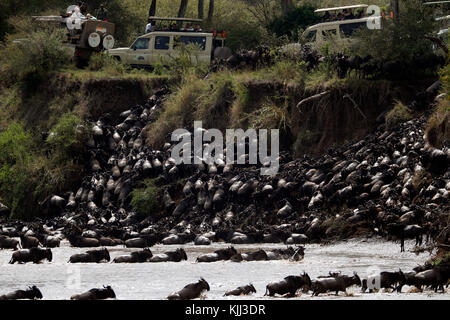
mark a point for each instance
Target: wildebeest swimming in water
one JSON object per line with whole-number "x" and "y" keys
{"x": 96, "y": 294}
{"x": 28, "y": 242}
{"x": 384, "y": 280}
{"x": 93, "y": 256}
{"x": 135, "y": 257}
{"x": 218, "y": 255}
{"x": 288, "y": 285}
{"x": 240, "y": 291}
{"x": 170, "y": 256}
{"x": 34, "y": 255}
{"x": 8, "y": 243}
{"x": 335, "y": 283}
{"x": 190, "y": 291}
{"x": 289, "y": 253}
{"x": 81, "y": 242}
{"x": 31, "y": 293}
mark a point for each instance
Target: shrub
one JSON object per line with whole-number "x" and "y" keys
{"x": 15, "y": 166}
{"x": 296, "y": 19}
{"x": 145, "y": 200}
{"x": 31, "y": 59}
{"x": 399, "y": 40}
{"x": 67, "y": 137}
{"x": 400, "y": 113}
{"x": 107, "y": 63}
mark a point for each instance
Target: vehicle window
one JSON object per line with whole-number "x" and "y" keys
{"x": 349, "y": 29}
{"x": 311, "y": 36}
{"x": 329, "y": 33}
{"x": 199, "y": 41}
{"x": 140, "y": 44}
{"x": 162, "y": 43}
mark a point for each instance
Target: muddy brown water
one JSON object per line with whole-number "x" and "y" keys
{"x": 59, "y": 279}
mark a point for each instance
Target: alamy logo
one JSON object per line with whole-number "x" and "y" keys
{"x": 374, "y": 21}
{"x": 208, "y": 147}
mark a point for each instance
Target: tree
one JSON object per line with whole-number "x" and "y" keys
{"x": 183, "y": 8}
{"x": 263, "y": 10}
{"x": 286, "y": 6}
{"x": 211, "y": 10}
{"x": 201, "y": 9}
{"x": 152, "y": 10}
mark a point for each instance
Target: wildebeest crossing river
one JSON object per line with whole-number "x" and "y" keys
{"x": 59, "y": 279}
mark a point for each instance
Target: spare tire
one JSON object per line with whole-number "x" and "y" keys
{"x": 108, "y": 42}
{"x": 94, "y": 40}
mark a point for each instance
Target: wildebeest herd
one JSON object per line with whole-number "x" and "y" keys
{"x": 388, "y": 184}
{"x": 291, "y": 286}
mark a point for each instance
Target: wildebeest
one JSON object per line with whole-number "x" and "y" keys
{"x": 135, "y": 257}
{"x": 288, "y": 253}
{"x": 403, "y": 232}
{"x": 96, "y": 294}
{"x": 34, "y": 255}
{"x": 172, "y": 256}
{"x": 385, "y": 280}
{"x": 240, "y": 291}
{"x": 190, "y": 291}
{"x": 31, "y": 293}
{"x": 28, "y": 242}
{"x": 435, "y": 278}
{"x": 8, "y": 243}
{"x": 140, "y": 242}
{"x": 109, "y": 242}
{"x": 91, "y": 256}
{"x": 51, "y": 242}
{"x": 259, "y": 255}
{"x": 82, "y": 242}
{"x": 218, "y": 255}
{"x": 289, "y": 285}
{"x": 337, "y": 283}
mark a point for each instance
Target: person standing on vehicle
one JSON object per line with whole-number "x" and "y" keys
{"x": 102, "y": 13}
{"x": 148, "y": 27}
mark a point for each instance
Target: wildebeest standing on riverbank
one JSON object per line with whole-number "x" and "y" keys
{"x": 31, "y": 293}
{"x": 34, "y": 255}
{"x": 190, "y": 291}
{"x": 95, "y": 294}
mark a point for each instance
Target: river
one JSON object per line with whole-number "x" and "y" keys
{"x": 59, "y": 279}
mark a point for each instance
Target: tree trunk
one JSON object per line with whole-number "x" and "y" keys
{"x": 211, "y": 10}
{"x": 201, "y": 9}
{"x": 285, "y": 6}
{"x": 152, "y": 10}
{"x": 396, "y": 7}
{"x": 183, "y": 9}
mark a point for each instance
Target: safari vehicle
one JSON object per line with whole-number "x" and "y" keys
{"x": 340, "y": 30}
{"x": 84, "y": 36}
{"x": 160, "y": 45}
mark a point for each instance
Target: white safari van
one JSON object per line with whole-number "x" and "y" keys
{"x": 160, "y": 45}
{"x": 340, "y": 30}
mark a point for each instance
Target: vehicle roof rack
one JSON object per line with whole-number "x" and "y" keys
{"x": 342, "y": 8}
{"x": 174, "y": 19}
{"x": 435, "y": 2}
